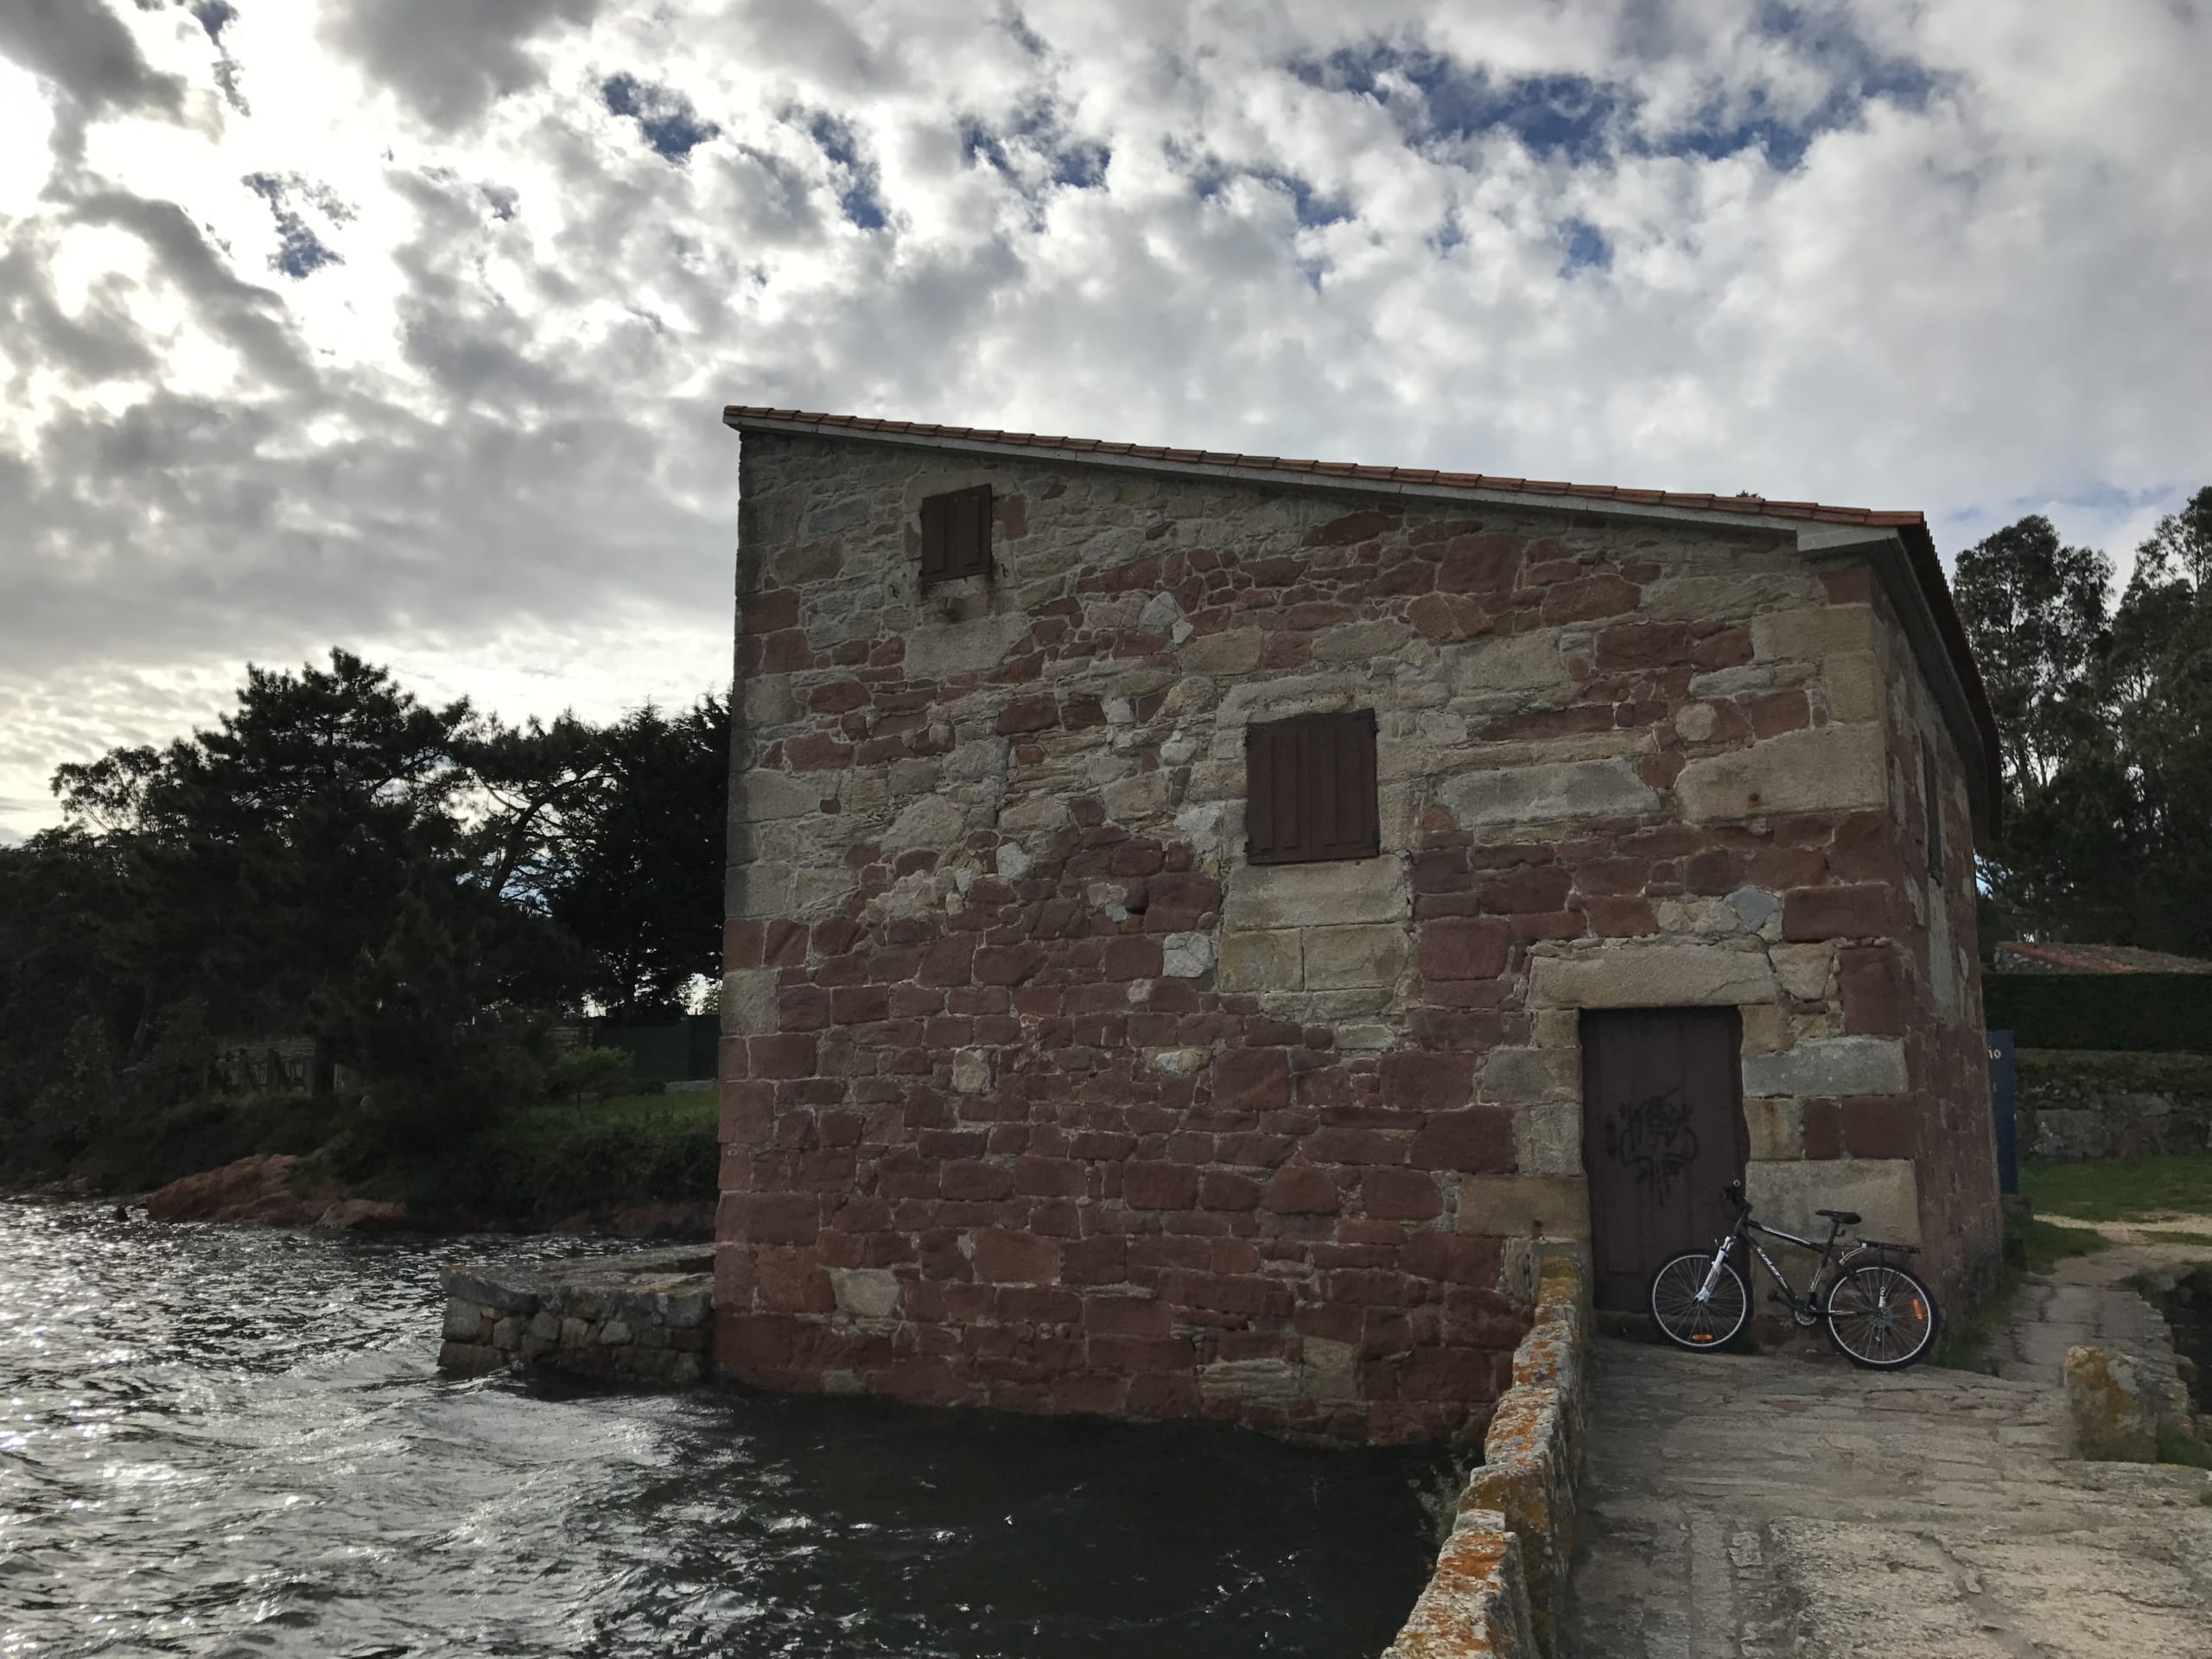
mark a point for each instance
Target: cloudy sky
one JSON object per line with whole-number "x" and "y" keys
{"x": 406, "y": 324}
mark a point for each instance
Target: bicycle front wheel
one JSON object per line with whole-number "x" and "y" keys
{"x": 1881, "y": 1317}
{"x": 1689, "y": 1313}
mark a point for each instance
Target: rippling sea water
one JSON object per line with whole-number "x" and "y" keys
{"x": 233, "y": 1441}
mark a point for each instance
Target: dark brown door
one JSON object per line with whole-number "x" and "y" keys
{"x": 1662, "y": 1133}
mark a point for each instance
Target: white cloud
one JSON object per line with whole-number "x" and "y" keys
{"x": 1942, "y": 255}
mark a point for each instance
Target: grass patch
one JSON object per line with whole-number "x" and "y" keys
{"x": 2049, "y": 1244}
{"x": 2041, "y": 1246}
{"x": 2175, "y": 1236}
{"x": 2174, "y": 1447}
{"x": 2122, "y": 1189}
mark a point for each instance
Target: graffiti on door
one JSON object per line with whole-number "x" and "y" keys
{"x": 1654, "y": 1140}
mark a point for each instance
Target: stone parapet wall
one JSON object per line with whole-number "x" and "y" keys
{"x": 1038, "y": 1094}
{"x": 645, "y": 1315}
{"x": 1501, "y": 1580}
{"x": 2076, "y": 1107}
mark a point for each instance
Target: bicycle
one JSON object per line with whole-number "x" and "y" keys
{"x": 1878, "y": 1314}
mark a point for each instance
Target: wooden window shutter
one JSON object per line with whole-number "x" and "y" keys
{"x": 1309, "y": 790}
{"x": 957, "y": 535}
{"x": 1932, "y": 804}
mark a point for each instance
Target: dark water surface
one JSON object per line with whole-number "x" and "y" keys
{"x": 232, "y": 1441}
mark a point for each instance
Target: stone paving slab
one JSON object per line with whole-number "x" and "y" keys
{"x": 1778, "y": 1506}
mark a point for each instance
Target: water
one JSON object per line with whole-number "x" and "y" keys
{"x": 229, "y": 1441}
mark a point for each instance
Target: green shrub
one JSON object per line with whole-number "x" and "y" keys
{"x": 579, "y": 1074}
{"x": 2159, "y": 1012}
{"x": 2118, "y": 1070}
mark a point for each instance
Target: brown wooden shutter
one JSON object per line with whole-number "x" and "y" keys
{"x": 957, "y": 535}
{"x": 1309, "y": 790}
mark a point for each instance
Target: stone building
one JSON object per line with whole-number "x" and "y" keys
{"x": 1196, "y": 920}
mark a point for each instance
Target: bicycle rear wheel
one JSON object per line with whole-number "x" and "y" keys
{"x": 1687, "y": 1312}
{"x": 1881, "y": 1317}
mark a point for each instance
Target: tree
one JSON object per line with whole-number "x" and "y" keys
{"x": 2037, "y": 612}
{"x": 642, "y": 886}
{"x": 2107, "y": 728}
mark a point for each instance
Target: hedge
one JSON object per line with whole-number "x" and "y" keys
{"x": 2148, "y": 1013}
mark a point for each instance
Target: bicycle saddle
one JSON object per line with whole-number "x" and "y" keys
{"x": 1842, "y": 1218}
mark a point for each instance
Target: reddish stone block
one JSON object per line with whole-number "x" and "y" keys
{"x": 859, "y": 1005}
{"x": 770, "y": 610}
{"x": 741, "y": 943}
{"x": 1163, "y": 1394}
{"x": 1539, "y": 888}
{"x": 1873, "y": 1002}
{"x": 1777, "y": 712}
{"x": 948, "y": 961}
{"x": 1399, "y": 1195}
{"x": 1303, "y": 1189}
{"x": 1456, "y": 1258}
{"x": 1048, "y": 1178}
{"x": 787, "y": 652}
{"x": 1344, "y": 1143}
{"x": 1131, "y": 957}
{"x": 1353, "y": 527}
{"x": 1142, "y": 1353}
{"x": 1005, "y": 1257}
{"x": 784, "y": 1055}
{"x": 1852, "y": 912}
{"x": 1427, "y": 1082}
{"x": 1478, "y": 1141}
{"x": 793, "y": 1281}
{"x": 1446, "y": 617}
{"x": 1620, "y": 919}
{"x": 1484, "y": 563}
{"x": 1821, "y": 1125}
{"x": 817, "y": 751}
{"x": 1089, "y": 1391}
{"x": 1126, "y": 1316}
{"x": 1715, "y": 870}
{"x": 1251, "y": 1079}
{"x": 1860, "y": 849}
{"x": 1159, "y": 1186}
{"x": 837, "y": 698}
{"x": 1729, "y": 648}
{"x": 747, "y": 1111}
{"x": 1879, "y": 1126}
{"x": 1026, "y": 714}
{"x": 1007, "y": 965}
{"x": 752, "y": 1345}
{"x": 1587, "y": 600}
{"x": 974, "y": 1182}
{"x": 1178, "y": 901}
{"x": 1445, "y": 1374}
{"x": 779, "y": 1218}
{"x": 1635, "y": 645}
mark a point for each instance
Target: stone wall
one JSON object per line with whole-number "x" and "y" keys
{"x": 643, "y": 1315}
{"x": 2079, "y": 1106}
{"x": 1037, "y": 1096}
{"x": 1928, "y": 979}
{"x": 1501, "y": 1580}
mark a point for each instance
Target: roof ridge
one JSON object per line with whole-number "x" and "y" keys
{"x": 1701, "y": 501}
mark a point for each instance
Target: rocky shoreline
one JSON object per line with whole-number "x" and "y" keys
{"x": 268, "y": 1189}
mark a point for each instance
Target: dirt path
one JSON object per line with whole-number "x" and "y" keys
{"x": 1773, "y": 1506}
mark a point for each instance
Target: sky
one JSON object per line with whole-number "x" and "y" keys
{"x": 406, "y": 324}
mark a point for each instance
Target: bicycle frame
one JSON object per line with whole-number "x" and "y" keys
{"x": 1806, "y": 1309}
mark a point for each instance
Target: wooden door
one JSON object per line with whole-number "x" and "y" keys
{"x": 1662, "y": 1133}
